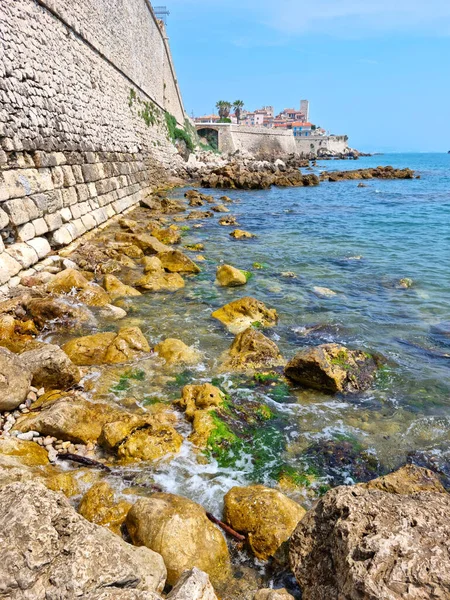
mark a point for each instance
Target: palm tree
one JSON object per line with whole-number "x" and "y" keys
{"x": 224, "y": 108}
{"x": 238, "y": 105}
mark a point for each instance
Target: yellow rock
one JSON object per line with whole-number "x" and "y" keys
{"x": 252, "y": 350}
{"x": 116, "y": 288}
{"x": 29, "y": 453}
{"x": 241, "y": 314}
{"x": 228, "y": 276}
{"x": 150, "y": 444}
{"x": 175, "y": 351}
{"x": 151, "y": 264}
{"x": 65, "y": 482}
{"x": 203, "y": 425}
{"x": 180, "y": 531}
{"x": 240, "y": 234}
{"x": 132, "y": 251}
{"x": 66, "y": 281}
{"x": 409, "y": 479}
{"x": 266, "y": 515}
{"x": 158, "y": 281}
{"x": 177, "y": 262}
{"x": 98, "y": 505}
{"x": 204, "y": 396}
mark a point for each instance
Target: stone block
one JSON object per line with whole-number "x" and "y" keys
{"x": 2, "y": 245}
{"x": 79, "y": 227}
{"x": 89, "y": 222}
{"x": 41, "y": 246}
{"x": 8, "y": 267}
{"x": 110, "y": 211}
{"x": 66, "y": 214}
{"x": 69, "y": 196}
{"x": 75, "y": 210}
{"x": 77, "y": 173}
{"x": 40, "y": 226}
{"x": 58, "y": 177}
{"x": 54, "y": 221}
{"x": 92, "y": 172}
{"x": 61, "y": 237}
{"x": 44, "y": 159}
{"x": 23, "y": 254}
{"x": 92, "y": 190}
{"x": 68, "y": 176}
{"x": 25, "y": 232}
{"x": 60, "y": 158}
{"x": 82, "y": 192}
{"x": 100, "y": 215}
{"x": 4, "y": 219}
{"x": 21, "y": 210}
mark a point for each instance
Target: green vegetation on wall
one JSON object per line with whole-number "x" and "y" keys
{"x": 175, "y": 133}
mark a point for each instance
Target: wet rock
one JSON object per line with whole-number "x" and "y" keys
{"x": 240, "y": 234}
{"x": 228, "y": 221}
{"x": 200, "y": 397}
{"x": 368, "y": 543}
{"x": 117, "y": 289}
{"x": 266, "y": 515}
{"x": 29, "y": 454}
{"x": 252, "y": 350}
{"x": 51, "y": 368}
{"x": 200, "y": 214}
{"x": 228, "y": 276}
{"x": 273, "y": 595}
{"x": 332, "y": 368}
{"x": 98, "y": 505}
{"x": 151, "y": 264}
{"x": 377, "y": 173}
{"x": 59, "y": 554}
{"x": 15, "y": 380}
{"x": 235, "y": 175}
{"x": 225, "y": 199}
{"x": 175, "y": 351}
{"x": 203, "y": 425}
{"x": 113, "y": 313}
{"x": 193, "y": 585}
{"x": 43, "y": 310}
{"x": 120, "y": 594}
{"x": 167, "y": 236}
{"x": 71, "y": 281}
{"x": 159, "y": 281}
{"x": 177, "y": 262}
{"x": 409, "y": 479}
{"x": 65, "y": 482}
{"x": 241, "y": 314}
{"x": 146, "y": 242}
{"x": 220, "y": 208}
{"x": 107, "y": 348}
{"x": 405, "y": 283}
{"x": 323, "y": 292}
{"x": 180, "y": 531}
{"x": 151, "y": 443}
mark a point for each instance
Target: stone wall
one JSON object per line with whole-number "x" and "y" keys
{"x": 83, "y": 89}
{"x": 312, "y": 144}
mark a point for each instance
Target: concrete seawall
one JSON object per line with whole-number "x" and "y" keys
{"x": 84, "y": 86}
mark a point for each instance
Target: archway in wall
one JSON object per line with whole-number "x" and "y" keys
{"x": 209, "y": 137}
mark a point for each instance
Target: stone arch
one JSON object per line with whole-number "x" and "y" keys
{"x": 209, "y": 136}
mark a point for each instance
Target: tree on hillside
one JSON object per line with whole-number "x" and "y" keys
{"x": 238, "y": 105}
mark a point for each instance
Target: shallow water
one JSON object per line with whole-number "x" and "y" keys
{"x": 358, "y": 242}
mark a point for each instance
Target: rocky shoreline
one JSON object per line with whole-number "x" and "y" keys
{"x": 67, "y": 532}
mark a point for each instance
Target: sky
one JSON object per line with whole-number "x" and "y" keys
{"x": 376, "y": 70}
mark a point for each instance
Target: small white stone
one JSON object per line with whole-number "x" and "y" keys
{"x": 28, "y": 436}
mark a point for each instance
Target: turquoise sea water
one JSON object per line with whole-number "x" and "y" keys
{"x": 358, "y": 242}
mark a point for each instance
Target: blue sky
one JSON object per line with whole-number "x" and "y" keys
{"x": 377, "y": 70}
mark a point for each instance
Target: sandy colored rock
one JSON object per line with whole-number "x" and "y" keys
{"x": 252, "y": 350}
{"x": 159, "y": 281}
{"x": 228, "y": 276}
{"x": 240, "y": 234}
{"x": 51, "y": 368}
{"x": 409, "y": 479}
{"x": 117, "y": 289}
{"x": 332, "y": 368}
{"x": 15, "y": 380}
{"x": 65, "y": 482}
{"x": 273, "y": 595}
{"x": 323, "y": 292}
{"x": 202, "y": 427}
{"x": 107, "y": 348}
{"x": 167, "y": 236}
{"x": 59, "y": 554}
{"x": 200, "y": 397}
{"x": 241, "y": 314}
{"x": 121, "y": 594}
{"x": 67, "y": 281}
{"x": 147, "y": 243}
{"x": 152, "y": 263}
{"x": 177, "y": 262}
{"x": 368, "y": 543}
{"x": 30, "y": 454}
{"x": 266, "y": 515}
{"x": 175, "y": 351}
{"x": 151, "y": 443}
{"x": 180, "y": 531}
{"x": 193, "y": 585}
{"x": 98, "y": 505}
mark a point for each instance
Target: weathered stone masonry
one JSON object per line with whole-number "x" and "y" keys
{"x": 83, "y": 89}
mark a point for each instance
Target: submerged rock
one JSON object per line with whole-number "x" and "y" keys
{"x": 180, "y": 531}
{"x": 228, "y": 221}
{"x": 241, "y": 314}
{"x": 63, "y": 310}
{"x": 240, "y": 234}
{"x": 267, "y": 516}
{"x": 323, "y": 292}
{"x": 98, "y": 505}
{"x": 15, "y": 380}
{"x": 368, "y": 543}
{"x": 49, "y": 551}
{"x": 107, "y": 348}
{"x": 175, "y": 351}
{"x": 177, "y": 262}
{"x": 252, "y": 350}
{"x": 332, "y": 368}
{"x": 228, "y": 276}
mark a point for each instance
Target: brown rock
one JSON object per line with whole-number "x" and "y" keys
{"x": 147, "y": 243}
{"x": 332, "y": 368}
{"x": 175, "y": 351}
{"x": 151, "y": 443}
{"x": 180, "y": 531}
{"x": 266, "y": 515}
{"x": 177, "y": 262}
{"x": 252, "y": 350}
{"x": 30, "y": 454}
{"x": 98, "y": 505}
{"x": 200, "y": 397}
{"x": 228, "y": 276}
{"x": 228, "y": 221}
{"x": 241, "y": 314}
{"x": 159, "y": 281}
{"x": 240, "y": 234}
{"x": 409, "y": 479}
{"x": 116, "y": 288}
{"x": 51, "y": 368}
{"x": 273, "y": 595}
{"x": 151, "y": 264}
{"x": 15, "y": 380}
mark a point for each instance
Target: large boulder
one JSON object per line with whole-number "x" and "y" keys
{"x": 175, "y": 351}
{"x": 332, "y": 368}
{"x": 193, "y": 585}
{"x": 177, "y": 262}
{"x": 117, "y": 289}
{"x": 51, "y": 368}
{"x": 147, "y": 243}
{"x": 71, "y": 281}
{"x": 228, "y": 276}
{"x": 107, "y": 348}
{"x": 180, "y": 531}
{"x": 49, "y": 551}
{"x": 365, "y": 542}
{"x": 252, "y": 350}
{"x": 63, "y": 310}
{"x": 241, "y": 314}
{"x": 266, "y": 515}
{"x": 98, "y": 505}
{"x": 15, "y": 380}
{"x": 151, "y": 443}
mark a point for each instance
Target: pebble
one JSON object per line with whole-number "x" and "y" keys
{"x": 28, "y": 436}
{"x": 32, "y": 396}
{"x": 41, "y": 392}
{"x": 52, "y": 454}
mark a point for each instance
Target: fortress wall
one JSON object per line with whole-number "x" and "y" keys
{"x": 83, "y": 89}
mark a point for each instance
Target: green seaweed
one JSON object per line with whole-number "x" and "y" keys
{"x": 124, "y": 383}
